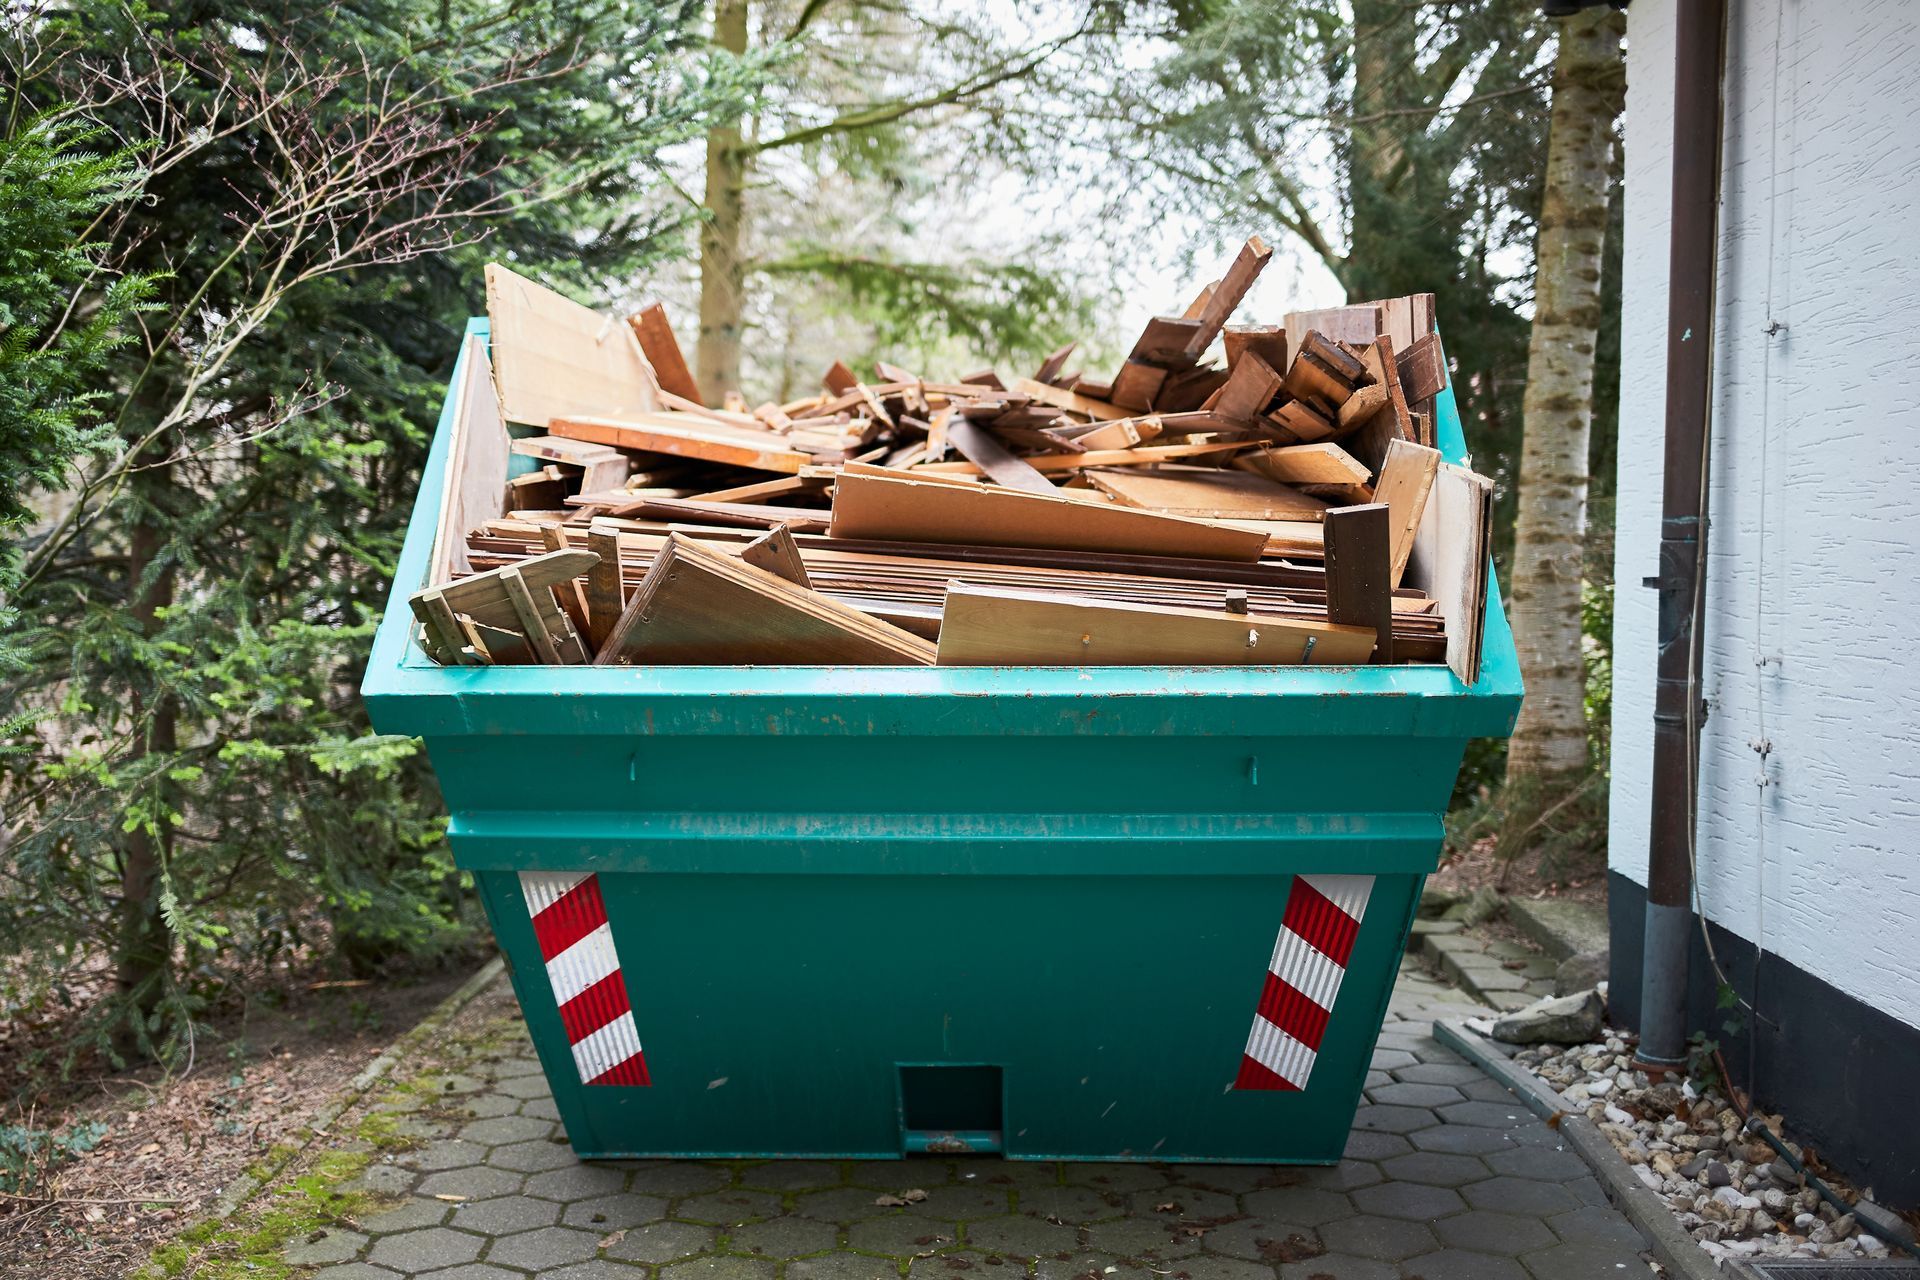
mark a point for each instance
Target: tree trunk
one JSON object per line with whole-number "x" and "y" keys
{"x": 1589, "y": 90}
{"x": 722, "y": 273}
{"x": 1385, "y": 47}
{"x": 145, "y": 946}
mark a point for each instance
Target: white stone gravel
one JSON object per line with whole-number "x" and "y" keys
{"x": 1685, "y": 1142}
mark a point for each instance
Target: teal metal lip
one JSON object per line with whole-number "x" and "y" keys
{"x": 409, "y": 693}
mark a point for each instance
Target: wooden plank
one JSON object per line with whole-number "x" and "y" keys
{"x": 1123, "y": 433}
{"x": 917, "y": 511}
{"x": 1341, "y": 324}
{"x": 1139, "y": 456}
{"x": 1359, "y": 559}
{"x": 1451, "y": 559}
{"x": 553, "y": 358}
{"x": 1098, "y": 410}
{"x": 985, "y": 626}
{"x": 1406, "y": 479}
{"x": 1268, "y": 341}
{"x": 1204, "y": 493}
{"x": 686, "y": 436}
{"x": 700, "y": 606}
{"x": 662, "y": 349}
{"x": 761, "y": 490}
{"x": 1391, "y": 421}
{"x": 473, "y": 487}
{"x": 1221, "y": 304}
{"x": 484, "y": 598}
{"x": 1304, "y": 421}
{"x": 1303, "y": 464}
{"x": 606, "y": 600}
{"x": 1164, "y": 342}
{"x": 501, "y": 647}
{"x": 839, "y": 379}
{"x": 992, "y": 457}
{"x": 1422, "y": 369}
{"x": 777, "y": 553}
{"x": 444, "y": 640}
{"x": 542, "y": 490}
{"x": 1137, "y": 385}
{"x": 601, "y": 466}
{"x": 744, "y": 515}
{"x": 1050, "y": 368}
{"x": 1309, "y": 379}
{"x": 1198, "y": 306}
{"x": 1249, "y": 389}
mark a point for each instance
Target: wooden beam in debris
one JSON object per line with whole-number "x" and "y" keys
{"x": 663, "y": 352}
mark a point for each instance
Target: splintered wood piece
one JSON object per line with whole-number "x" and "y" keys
{"x": 606, "y": 600}
{"x": 1137, "y": 385}
{"x": 1139, "y": 456}
{"x": 993, "y": 458}
{"x": 700, "y": 606}
{"x": 685, "y": 435}
{"x": 987, "y": 626}
{"x": 1359, "y": 559}
{"x": 777, "y": 553}
{"x": 1099, "y": 410}
{"x": 984, "y": 378}
{"x": 1202, "y": 493}
{"x": 740, "y": 515}
{"x": 662, "y": 350}
{"x": 1305, "y": 464}
{"x": 1249, "y": 389}
{"x": 916, "y": 511}
{"x": 1340, "y": 324}
{"x": 1050, "y": 368}
{"x": 1198, "y": 306}
{"x": 1450, "y": 562}
{"x": 1122, "y": 433}
{"x": 1406, "y": 478}
{"x": 839, "y": 379}
{"x": 553, "y": 357}
{"x": 1220, "y": 306}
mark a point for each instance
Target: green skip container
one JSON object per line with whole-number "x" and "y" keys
{"x": 1117, "y": 913}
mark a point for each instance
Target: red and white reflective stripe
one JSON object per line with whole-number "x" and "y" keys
{"x": 1303, "y": 979}
{"x": 570, "y": 922}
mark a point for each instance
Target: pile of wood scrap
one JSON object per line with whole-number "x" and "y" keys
{"x": 1282, "y": 504}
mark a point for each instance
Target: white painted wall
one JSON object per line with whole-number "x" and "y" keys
{"x": 1813, "y": 632}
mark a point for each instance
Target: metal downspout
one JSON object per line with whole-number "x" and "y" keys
{"x": 1699, "y": 63}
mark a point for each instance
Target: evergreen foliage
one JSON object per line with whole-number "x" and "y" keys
{"x": 199, "y": 792}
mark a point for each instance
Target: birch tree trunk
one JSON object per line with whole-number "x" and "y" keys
{"x": 716, "y": 355}
{"x": 1589, "y": 90}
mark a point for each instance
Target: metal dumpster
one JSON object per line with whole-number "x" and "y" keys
{"x": 1121, "y": 913}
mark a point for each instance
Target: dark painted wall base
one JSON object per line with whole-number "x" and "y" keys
{"x": 1846, "y": 1075}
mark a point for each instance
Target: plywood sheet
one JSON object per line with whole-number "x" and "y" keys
{"x": 917, "y": 511}
{"x": 553, "y": 357}
{"x": 685, "y": 435}
{"x": 985, "y": 626}
{"x": 1451, "y": 558}
{"x": 1206, "y": 494}
{"x": 1406, "y": 478}
{"x": 473, "y": 489}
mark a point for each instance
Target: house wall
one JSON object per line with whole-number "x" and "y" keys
{"x": 1808, "y": 854}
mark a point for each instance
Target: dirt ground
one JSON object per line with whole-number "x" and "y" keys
{"x": 172, "y": 1143}
{"x": 1524, "y": 877}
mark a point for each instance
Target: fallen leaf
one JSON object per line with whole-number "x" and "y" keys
{"x": 613, "y": 1238}
{"x": 886, "y": 1201}
{"x": 1168, "y": 1207}
{"x": 914, "y": 1196}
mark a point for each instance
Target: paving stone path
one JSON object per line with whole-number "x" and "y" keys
{"x": 1447, "y": 1177}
